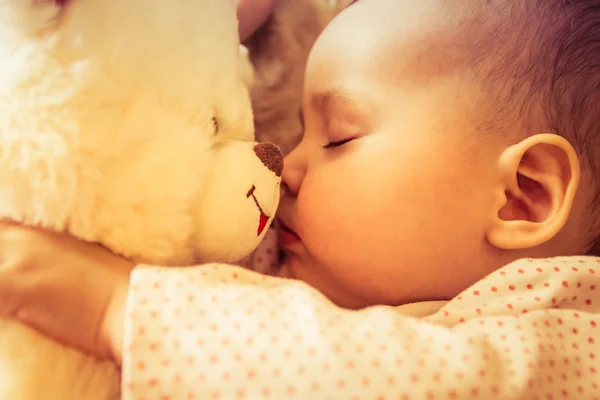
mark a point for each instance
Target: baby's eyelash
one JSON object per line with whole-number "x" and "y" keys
{"x": 339, "y": 143}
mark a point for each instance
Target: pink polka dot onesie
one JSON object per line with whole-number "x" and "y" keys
{"x": 527, "y": 331}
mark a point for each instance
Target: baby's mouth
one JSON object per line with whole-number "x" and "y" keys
{"x": 287, "y": 237}
{"x": 284, "y": 227}
{"x": 264, "y": 218}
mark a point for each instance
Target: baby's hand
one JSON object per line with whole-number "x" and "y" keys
{"x": 69, "y": 290}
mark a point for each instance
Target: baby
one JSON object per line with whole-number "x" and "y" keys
{"x": 450, "y": 150}
{"x": 442, "y": 139}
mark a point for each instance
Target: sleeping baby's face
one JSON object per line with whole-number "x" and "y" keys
{"x": 389, "y": 198}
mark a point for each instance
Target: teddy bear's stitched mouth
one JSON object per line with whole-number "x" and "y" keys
{"x": 264, "y": 218}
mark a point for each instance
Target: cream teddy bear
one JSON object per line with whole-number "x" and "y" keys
{"x": 125, "y": 122}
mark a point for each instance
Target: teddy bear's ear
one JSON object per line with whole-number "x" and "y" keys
{"x": 28, "y": 17}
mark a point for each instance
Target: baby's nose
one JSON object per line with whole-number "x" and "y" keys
{"x": 271, "y": 157}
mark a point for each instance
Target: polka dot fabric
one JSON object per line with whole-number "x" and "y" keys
{"x": 265, "y": 258}
{"x": 527, "y": 331}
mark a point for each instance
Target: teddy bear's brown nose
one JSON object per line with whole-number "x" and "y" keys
{"x": 271, "y": 157}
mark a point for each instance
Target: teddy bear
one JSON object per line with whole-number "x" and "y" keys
{"x": 278, "y": 43}
{"x": 126, "y": 123}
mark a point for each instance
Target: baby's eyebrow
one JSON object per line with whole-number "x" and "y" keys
{"x": 325, "y": 100}
{"x": 328, "y": 101}
{"x": 332, "y": 102}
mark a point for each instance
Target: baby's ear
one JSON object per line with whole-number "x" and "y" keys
{"x": 539, "y": 177}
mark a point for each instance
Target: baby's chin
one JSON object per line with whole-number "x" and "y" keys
{"x": 289, "y": 265}
{"x": 285, "y": 271}
{"x": 296, "y": 267}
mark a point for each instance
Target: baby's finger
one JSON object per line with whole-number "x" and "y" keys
{"x": 11, "y": 295}
{"x": 16, "y": 245}
{"x": 9, "y": 222}
{"x": 20, "y": 274}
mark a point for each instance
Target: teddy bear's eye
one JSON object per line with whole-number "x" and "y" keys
{"x": 215, "y": 126}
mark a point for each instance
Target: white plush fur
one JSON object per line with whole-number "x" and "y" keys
{"x": 107, "y": 132}
{"x": 278, "y": 51}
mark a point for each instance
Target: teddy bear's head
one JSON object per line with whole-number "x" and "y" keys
{"x": 127, "y": 122}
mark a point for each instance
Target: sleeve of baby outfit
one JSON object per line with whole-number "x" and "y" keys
{"x": 528, "y": 331}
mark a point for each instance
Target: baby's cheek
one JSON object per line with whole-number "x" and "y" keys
{"x": 330, "y": 231}
{"x": 333, "y": 211}
{"x": 345, "y": 245}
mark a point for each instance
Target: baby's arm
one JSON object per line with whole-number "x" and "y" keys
{"x": 227, "y": 333}
{"x": 528, "y": 331}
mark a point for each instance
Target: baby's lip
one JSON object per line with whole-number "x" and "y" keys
{"x": 284, "y": 226}
{"x": 287, "y": 237}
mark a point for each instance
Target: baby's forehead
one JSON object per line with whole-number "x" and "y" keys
{"x": 399, "y": 40}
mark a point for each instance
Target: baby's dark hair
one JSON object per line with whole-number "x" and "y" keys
{"x": 545, "y": 57}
